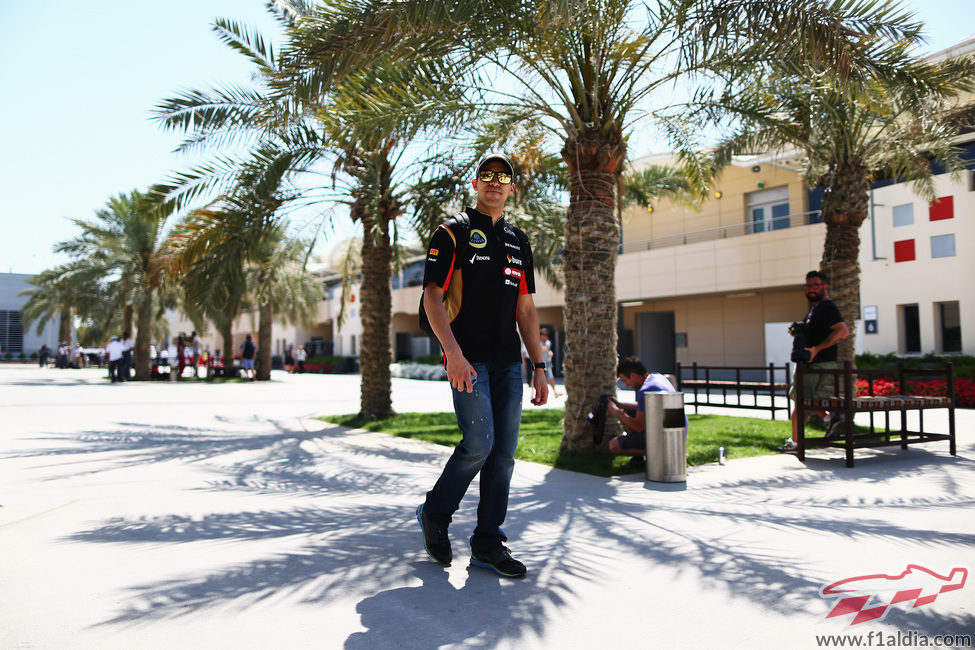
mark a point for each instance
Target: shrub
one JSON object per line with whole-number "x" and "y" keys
{"x": 964, "y": 364}
{"x": 325, "y": 358}
{"x": 418, "y": 371}
{"x": 883, "y": 386}
{"x": 429, "y": 359}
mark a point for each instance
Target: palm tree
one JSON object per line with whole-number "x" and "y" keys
{"x": 847, "y": 134}
{"x": 589, "y": 70}
{"x": 57, "y": 295}
{"x": 236, "y": 254}
{"x": 364, "y": 156}
{"x": 119, "y": 250}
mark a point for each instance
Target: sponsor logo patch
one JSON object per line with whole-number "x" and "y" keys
{"x": 477, "y": 240}
{"x": 513, "y": 260}
{"x": 510, "y": 282}
{"x": 517, "y": 273}
{"x": 434, "y": 252}
{"x": 514, "y": 246}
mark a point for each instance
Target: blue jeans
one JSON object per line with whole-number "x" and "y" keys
{"x": 489, "y": 419}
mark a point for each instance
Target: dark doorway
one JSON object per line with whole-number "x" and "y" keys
{"x": 656, "y": 347}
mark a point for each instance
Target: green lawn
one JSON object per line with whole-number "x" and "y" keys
{"x": 541, "y": 434}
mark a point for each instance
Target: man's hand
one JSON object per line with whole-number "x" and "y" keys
{"x": 460, "y": 373}
{"x": 540, "y": 384}
{"x": 812, "y": 354}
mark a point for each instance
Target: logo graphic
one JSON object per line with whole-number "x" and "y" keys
{"x": 434, "y": 252}
{"x": 513, "y": 260}
{"x": 514, "y": 246}
{"x": 510, "y": 271}
{"x": 478, "y": 240}
{"x": 916, "y": 584}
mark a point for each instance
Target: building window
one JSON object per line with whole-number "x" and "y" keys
{"x": 768, "y": 209}
{"x": 943, "y": 245}
{"x": 949, "y": 321}
{"x": 680, "y": 340}
{"x": 11, "y": 332}
{"x": 910, "y": 333}
{"x": 942, "y": 208}
{"x": 904, "y": 250}
{"x": 903, "y": 215}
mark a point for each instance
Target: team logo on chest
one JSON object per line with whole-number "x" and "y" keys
{"x": 477, "y": 240}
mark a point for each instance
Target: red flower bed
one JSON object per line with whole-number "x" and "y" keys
{"x": 964, "y": 389}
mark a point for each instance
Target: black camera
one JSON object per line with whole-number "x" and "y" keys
{"x": 799, "y": 345}
{"x": 598, "y": 418}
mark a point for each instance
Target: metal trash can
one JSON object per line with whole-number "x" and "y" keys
{"x": 666, "y": 437}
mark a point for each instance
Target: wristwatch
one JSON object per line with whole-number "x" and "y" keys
{"x": 540, "y": 365}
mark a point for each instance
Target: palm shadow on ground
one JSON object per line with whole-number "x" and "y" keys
{"x": 340, "y": 545}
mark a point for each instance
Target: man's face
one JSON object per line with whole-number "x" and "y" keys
{"x": 492, "y": 195}
{"x": 816, "y": 290}
{"x": 632, "y": 380}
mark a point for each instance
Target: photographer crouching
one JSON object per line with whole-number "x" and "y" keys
{"x": 814, "y": 343}
{"x": 633, "y": 441}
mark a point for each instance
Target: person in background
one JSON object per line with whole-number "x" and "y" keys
{"x": 548, "y": 355}
{"x": 823, "y": 328}
{"x": 114, "y": 350}
{"x": 196, "y": 347}
{"x": 127, "y": 345}
{"x": 248, "y": 352}
{"x": 632, "y": 416}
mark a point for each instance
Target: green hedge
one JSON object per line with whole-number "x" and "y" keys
{"x": 964, "y": 364}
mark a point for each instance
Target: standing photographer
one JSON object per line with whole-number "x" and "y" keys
{"x": 815, "y": 342}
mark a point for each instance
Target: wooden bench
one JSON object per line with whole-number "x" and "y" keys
{"x": 846, "y": 402}
{"x": 700, "y": 385}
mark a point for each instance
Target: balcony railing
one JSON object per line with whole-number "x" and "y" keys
{"x": 725, "y": 232}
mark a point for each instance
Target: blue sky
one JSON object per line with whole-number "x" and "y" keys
{"x": 78, "y": 81}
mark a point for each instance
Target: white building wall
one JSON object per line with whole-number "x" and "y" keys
{"x": 888, "y": 280}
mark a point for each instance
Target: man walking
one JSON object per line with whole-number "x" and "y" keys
{"x": 491, "y": 262}
{"x": 823, "y": 329}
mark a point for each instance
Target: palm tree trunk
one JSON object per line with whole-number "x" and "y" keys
{"x": 128, "y": 319}
{"x": 141, "y": 356}
{"x": 265, "y": 323}
{"x": 226, "y": 328}
{"x": 592, "y": 238}
{"x": 845, "y": 205}
{"x": 64, "y": 327}
{"x": 375, "y": 353}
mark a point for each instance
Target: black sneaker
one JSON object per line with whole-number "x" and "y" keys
{"x": 500, "y": 561}
{"x": 636, "y": 464}
{"x": 435, "y": 539}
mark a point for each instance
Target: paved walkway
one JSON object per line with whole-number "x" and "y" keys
{"x": 158, "y": 515}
